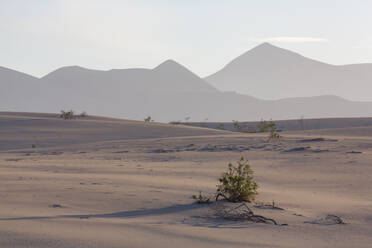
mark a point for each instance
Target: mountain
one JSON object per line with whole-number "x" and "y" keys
{"x": 270, "y": 72}
{"x": 131, "y": 93}
{"x": 168, "y": 92}
{"x": 176, "y": 77}
{"x": 17, "y": 89}
{"x": 11, "y": 78}
{"x": 168, "y": 76}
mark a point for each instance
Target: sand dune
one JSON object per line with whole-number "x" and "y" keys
{"x": 22, "y": 130}
{"x": 300, "y": 124}
{"x": 363, "y": 132}
{"x": 104, "y": 185}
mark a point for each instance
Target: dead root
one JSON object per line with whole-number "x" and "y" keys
{"x": 243, "y": 212}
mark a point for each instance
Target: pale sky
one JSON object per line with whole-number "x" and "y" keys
{"x": 38, "y": 36}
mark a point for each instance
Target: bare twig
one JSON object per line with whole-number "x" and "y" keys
{"x": 244, "y": 212}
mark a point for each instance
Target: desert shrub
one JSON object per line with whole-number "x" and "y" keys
{"x": 83, "y": 114}
{"x": 236, "y": 125}
{"x": 201, "y": 199}
{"x": 239, "y": 126}
{"x": 148, "y": 119}
{"x": 273, "y": 135}
{"x": 269, "y": 126}
{"x": 237, "y": 185}
{"x": 33, "y": 146}
{"x": 67, "y": 115}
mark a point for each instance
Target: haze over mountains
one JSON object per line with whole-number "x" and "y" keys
{"x": 270, "y": 72}
{"x": 170, "y": 92}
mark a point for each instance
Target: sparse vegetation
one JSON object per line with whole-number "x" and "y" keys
{"x": 239, "y": 126}
{"x": 273, "y": 135}
{"x": 67, "y": 115}
{"x": 148, "y": 119}
{"x": 237, "y": 185}
{"x": 269, "y": 126}
{"x": 83, "y": 114}
{"x": 236, "y": 125}
{"x": 33, "y": 146}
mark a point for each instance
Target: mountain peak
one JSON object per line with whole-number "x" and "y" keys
{"x": 66, "y": 70}
{"x": 265, "y": 45}
{"x": 71, "y": 68}
{"x": 267, "y": 48}
{"x": 169, "y": 64}
{"x": 179, "y": 75}
{"x": 266, "y": 54}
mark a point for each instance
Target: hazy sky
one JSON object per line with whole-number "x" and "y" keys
{"x": 38, "y": 36}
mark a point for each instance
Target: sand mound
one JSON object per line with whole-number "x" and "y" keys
{"x": 47, "y": 130}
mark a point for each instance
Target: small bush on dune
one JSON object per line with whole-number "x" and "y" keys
{"x": 269, "y": 126}
{"x": 237, "y": 185}
{"x": 67, "y": 115}
{"x": 239, "y": 126}
{"x": 236, "y": 125}
{"x": 148, "y": 119}
{"x": 273, "y": 131}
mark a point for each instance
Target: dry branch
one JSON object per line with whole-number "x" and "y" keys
{"x": 243, "y": 212}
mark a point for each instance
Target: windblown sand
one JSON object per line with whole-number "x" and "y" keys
{"x": 99, "y": 182}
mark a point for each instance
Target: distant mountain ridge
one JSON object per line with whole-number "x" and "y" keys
{"x": 270, "y": 72}
{"x": 168, "y": 75}
{"x": 16, "y": 88}
{"x": 168, "y": 92}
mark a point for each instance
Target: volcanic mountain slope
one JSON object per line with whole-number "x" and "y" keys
{"x": 169, "y": 92}
{"x": 168, "y": 76}
{"x": 17, "y": 89}
{"x": 270, "y": 72}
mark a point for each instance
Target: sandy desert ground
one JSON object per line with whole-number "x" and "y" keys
{"x": 100, "y": 182}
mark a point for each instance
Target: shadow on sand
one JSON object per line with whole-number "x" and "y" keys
{"x": 123, "y": 214}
